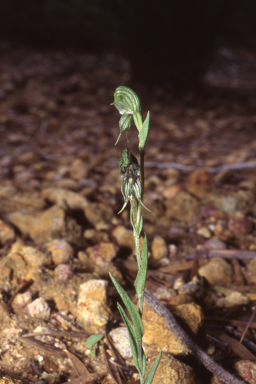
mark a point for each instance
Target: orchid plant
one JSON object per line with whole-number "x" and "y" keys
{"x": 132, "y": 187}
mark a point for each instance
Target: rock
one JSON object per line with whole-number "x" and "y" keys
{"x": 192, "y": 288}
{"x": 53, "y": 125}
{"x": 7, "y": 191}
{"x": 200, "y": 183}
{"x": 191, "y": 314}
{"x": 41, "y": 227}
{"x": 121, "y": 340}
{"x": 172, "y": 371}
{"x": 181, "y": 299}
{"x": 170, "y": 192}
{"x": 65, "y": 198}
{"x": 124, "y": 237}
{"x": 250, "y": 271}
{"x": 159, "y": 248}
{"x": 217, "y": 271}
{"x": 39, "y": 308}
{"x": 24, "y": 201}
{"x": 99, "y": 215}
{"x": 246, "y": 370}
{"x": 183, "y": 205}
{"x": 78, "y": 169}
{"x": 173, "y": 249}
{"x": 210, "y": 211}
{"x": 16, "y": 266}
{"x": 66, "y": 184}
{"x": 240, "y": 225}
{"x": 63, "y": 272}
{"x": 4, "y": 311}
{"x": 5, "y": 276}
{"x": 102, "y": 254}
{"x": 61, "y": 251}
{"x": 84, "y": 258}
{"x": 27, "y": 158}
{"x": 204, "y": 232}
{"x": 234, "y": 201}
{"x": 92, "y": 310}
{"x": 21, "y": 300}
{"x": 7, "y": 234}
{"x": 32, "y": 256}
{"x": 96, "y": 236}
{"x": 233, "y": 299}
{"x": 214, "y": 244}
{"x": 154, "y": 325}
{"x": 164, "y": 293}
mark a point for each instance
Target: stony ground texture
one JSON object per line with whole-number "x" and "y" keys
{"x": 60, "y": 234}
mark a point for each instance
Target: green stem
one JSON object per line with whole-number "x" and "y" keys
{"x": 141, "y": 379}
{"x": 137, "y": 248}
{"x": 142, "y": 171}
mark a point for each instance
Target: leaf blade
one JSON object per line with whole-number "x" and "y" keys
{"x": 153, "y": 369}
{"x": 143, "y": 134}
{"x": 131, "y": 334}
{"x": 135, "y": 316}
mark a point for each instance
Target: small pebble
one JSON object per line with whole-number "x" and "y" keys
{"x": 170, "y": 192}
{"x": 159, "y": 248}
{"x": 240, "y": 225}
{"x": 122, "y": 342}
{"x": 250, "y": 271}
{"x": 39, "y": 308}
{"x": 92, "y": 310}
{"x": 204, "y": 232}
{"x": 102, "y": 254}
{"x": 246, "y": 370}
{"x": 78, "y": 169}
{"x": 61, "y": 251}
{"x": 22, "y": 299}
{"x": 63, "y": 272}
{"x": 217, "y": 271}
{"x": 235, "y": 298}
{"x": 172, "y": 251}
{"x": 214, "y": 244}
{"x": 7, "y": 234}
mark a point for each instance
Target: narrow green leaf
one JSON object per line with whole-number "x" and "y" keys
{"x": 131, "y": 336}
{"x": 137, "y": 118}
{"x": 142, "y": 274}
{"x": 144, "y": 365}
{"x": 93, "y": 339}
{"x": 135, "y": 316}
{"x": 153, "y": 369}
{"x": 143, "y": 134}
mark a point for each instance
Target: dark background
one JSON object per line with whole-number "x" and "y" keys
{"x": 166, "y": 41}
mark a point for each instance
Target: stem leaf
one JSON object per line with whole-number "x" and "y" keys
{"x": 135, "y": 316}
{"x": 143, "y": 134}
{"x": 131, "y": 336}
{"x": 153, "y": 369}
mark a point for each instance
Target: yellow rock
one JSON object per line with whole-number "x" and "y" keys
{"x": 157, "y": 335}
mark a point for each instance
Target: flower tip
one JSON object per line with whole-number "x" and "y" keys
{"x": 118, "y": 139}
{"x": 123, "y": 207}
